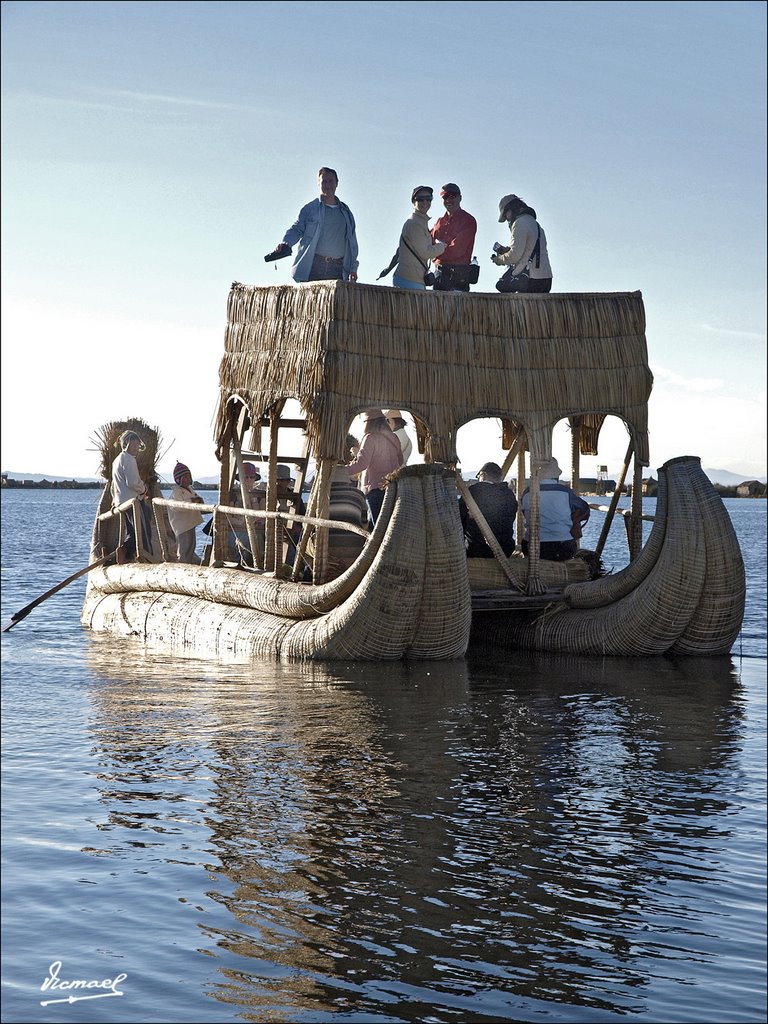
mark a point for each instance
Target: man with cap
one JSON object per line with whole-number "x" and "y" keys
{"x": 499, "y": 507}
{"x": 184, "y": 521}
{"x": 527, "y": 249}
{"x": 397, "y": 426}
{"x": 562, "y": 514}
{"x": 457, "y": 229}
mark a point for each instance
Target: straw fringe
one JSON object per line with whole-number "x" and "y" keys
{"x": 447, "y": 357}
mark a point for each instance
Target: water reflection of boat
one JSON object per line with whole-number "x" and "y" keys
{"x": 446, "y": 358}
{"x": 420, "y": 844}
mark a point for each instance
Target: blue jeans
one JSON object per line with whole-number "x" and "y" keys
{"x": 326, "y": 270}
{"x": 400, "y": 282}
{"x": 374, "y": 499}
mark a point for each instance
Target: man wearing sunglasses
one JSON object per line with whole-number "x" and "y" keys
{"x": 325, "y": 231}
{"x": 457, "y": 229}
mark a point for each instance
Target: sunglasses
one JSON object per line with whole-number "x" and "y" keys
{"x": 423, "y": 199}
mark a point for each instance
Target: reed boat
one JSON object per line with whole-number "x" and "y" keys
{"x": 333, "y": 349}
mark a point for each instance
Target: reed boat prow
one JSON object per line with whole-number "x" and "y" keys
{"x": 411, "y": 592}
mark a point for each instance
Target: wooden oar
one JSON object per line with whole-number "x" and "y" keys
{"x": 24, "y": 612}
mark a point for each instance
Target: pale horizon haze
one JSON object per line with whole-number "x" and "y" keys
{"x": 152, "y": 153}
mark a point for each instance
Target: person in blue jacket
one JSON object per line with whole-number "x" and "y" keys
{"x": 562, "y": 514}
{"x": 325, "y": 231}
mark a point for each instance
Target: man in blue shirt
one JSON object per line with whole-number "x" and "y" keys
{"x": 325, "y": 231}
{"x": 562, "y": 513}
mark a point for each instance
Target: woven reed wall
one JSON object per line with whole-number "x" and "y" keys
{"x": 447, "y": 357}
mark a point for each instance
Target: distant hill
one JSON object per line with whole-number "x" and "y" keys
{"x": 727, "y": 479}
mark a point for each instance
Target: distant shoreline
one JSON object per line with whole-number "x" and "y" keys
{"x": 725, "y": 491}
{"x": 79, "y": 485}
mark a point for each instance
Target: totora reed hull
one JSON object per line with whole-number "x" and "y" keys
{"x": 409, "y": 595}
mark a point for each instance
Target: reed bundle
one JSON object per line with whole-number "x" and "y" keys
{"x": 447, "y": 357}
{"x": 106, "y": 444}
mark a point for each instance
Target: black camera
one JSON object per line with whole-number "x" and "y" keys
{"x": 277, "y": 254}
{"x": 429, "y": 279}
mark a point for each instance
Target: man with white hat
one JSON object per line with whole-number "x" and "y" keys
{"x": 562, "y": 513}
{"x": 397, "y": 426}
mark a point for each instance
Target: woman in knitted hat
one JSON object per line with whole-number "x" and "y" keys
{"x": 184, "y": 521}
{"x": 380, "y": 454}
{"x": 127, "y": 484}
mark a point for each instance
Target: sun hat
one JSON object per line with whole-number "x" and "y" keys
{"x": 393, "y": 414}
{"x": 451, "y": 189}
{"x": 250, "y": 470}
{"x": 550, "y": 470}
{"x": 283, "y": 473}
{"x": 421, "y": 188}
{"x": 504, "y": 202}
{"x": 180, "y": 471}
{"x": 373, "y": 414}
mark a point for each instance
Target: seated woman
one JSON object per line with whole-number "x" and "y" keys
{"x": 347, "y": 505}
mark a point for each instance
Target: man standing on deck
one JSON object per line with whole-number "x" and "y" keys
{"x": 325, "y": 231}
{"x": 457, "y": 229}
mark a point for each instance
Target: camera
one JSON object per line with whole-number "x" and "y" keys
{"x": 498, "y": 248}
{"x": 429, "y": 279}
{"x": 278, "y": 253}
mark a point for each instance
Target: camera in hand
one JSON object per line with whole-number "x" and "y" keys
{"x": 278, "y": 253}
{"x": 498, "y": 248}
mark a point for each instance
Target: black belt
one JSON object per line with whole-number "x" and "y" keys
{"x": 330, "y": 259}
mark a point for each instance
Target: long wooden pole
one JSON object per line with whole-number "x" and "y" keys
{"x": 24, "y": 612}
{"x": 487, "y": 532}
{"x": 614, "y": 501}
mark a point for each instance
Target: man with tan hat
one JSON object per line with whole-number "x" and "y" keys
{"x": 457, "y": 229}
{"x": 562, "y": 514}
{"x": 397, "y": 426}
{"x": 380, "y": 454}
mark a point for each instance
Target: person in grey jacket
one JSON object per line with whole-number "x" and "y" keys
{"x": 524, "y": 233}
{"x": 325, "y": 231}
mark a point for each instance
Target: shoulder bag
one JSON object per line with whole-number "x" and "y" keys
{"x": 512, "y": 282}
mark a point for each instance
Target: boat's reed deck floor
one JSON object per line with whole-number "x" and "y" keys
{"x": 512, "y": 600}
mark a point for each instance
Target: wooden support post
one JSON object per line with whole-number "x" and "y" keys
{"x": 245, "y": 494}
{"x": 518, "y": 446}
{"x": 636, "y": 533}
{"x": 273, "y": 547}
{"x": 575, "y": 468}
{"x": 320, "y": 561}
{"x": 614, "y": 501}
{"x": 220, "y": 529}
{"x": 520, "y": 523}
{"x": 162, "y": 536}
{"x": 534, "y": 584}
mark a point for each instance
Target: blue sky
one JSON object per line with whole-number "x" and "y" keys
{"x": 154, "y": 152}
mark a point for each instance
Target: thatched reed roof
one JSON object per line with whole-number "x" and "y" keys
{"x": 447, "y": 357}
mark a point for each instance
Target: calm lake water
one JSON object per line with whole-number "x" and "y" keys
{"x": 514, "y": 838}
